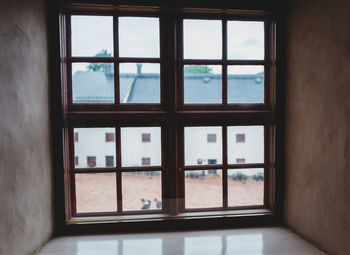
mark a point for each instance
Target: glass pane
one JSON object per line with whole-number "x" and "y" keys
{"x": 139, "y": 83}
{"x": 203, "y": 189}
{"x": 199, "y": 149}
{"x": 245, "y": 187}
{"x": 202, "y": 39}
{"x": 245, "y": 40}
{"x": 142, "y": 191}
{"x": 92, "y": 148}
{"x": 93, "y": 82}
{"x": 245, "y": 84}
{"x": 92, "y": 36}
{"x": 137, "y": 153}
{"x": 139, "y": 37}
{"x": 245, "y": 144}
{"x": 96, "y": 192}
{"x": 202, "y": 84}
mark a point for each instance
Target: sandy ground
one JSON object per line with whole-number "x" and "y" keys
{"x": 97, "y": 192}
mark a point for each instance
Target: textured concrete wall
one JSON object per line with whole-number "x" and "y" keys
{"x": 317, "y": 201}
{"x": 25, "y": 169}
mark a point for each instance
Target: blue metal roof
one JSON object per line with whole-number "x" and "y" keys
{"x": 93, "y": 87}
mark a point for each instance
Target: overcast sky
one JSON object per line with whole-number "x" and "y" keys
{"x": 139, "y": 37}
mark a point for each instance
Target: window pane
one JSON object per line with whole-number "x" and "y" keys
{"x": 96, "y": 192}
{"x": 245, "y": 40}
{"x": 245, "y": 187}
{"x": 138, "y": 37}
{"x": 202, "y": 84}
{"x": 92, "y": 148}
{"x": 203, "y": 189}
{"x": 202, "y": 39}
{"x": 92, "y": 36}
{"x": 249, "y": 151}
{"x": 198, "y": 151}
{"x": 93, "y": 82}
{"x": 134, "y": 150}
{"x": 245, "y": 84}
{"x": 139, "y": 83}
{"x": 142, "y": 191}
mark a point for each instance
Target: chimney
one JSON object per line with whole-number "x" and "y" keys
{"x": 139, "y": 67}
{"x": 108, "y": 69}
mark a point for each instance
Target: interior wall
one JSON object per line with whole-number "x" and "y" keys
{"x": 317, "y": 202}
{"x": 26, "y": 215}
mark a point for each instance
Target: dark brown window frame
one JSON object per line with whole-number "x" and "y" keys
{"x": 94, "y": 116}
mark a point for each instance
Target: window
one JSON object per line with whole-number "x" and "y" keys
{"x": 211, "y": 138}
{"x": 109, "y": 161}
{"x": 146, "y": 161}
{"x": 240, "y": 138}
{"x": 91, "y": 161}
{"x": 76, "y": 137}
{"x": 192, "y": 86}
{"x": 146, "y": 138}
{"x": 240, "y": 160}
{"x": 110, "y": 137}
{"x": 76, "y": 160}
{"x": 212, "y": 161}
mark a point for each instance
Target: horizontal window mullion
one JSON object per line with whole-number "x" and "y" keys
{"x": 95, "y": 170}
{"x": 141, "y": 169}
{"x": 138, "y": 60}
{"x": 243, "y": 166}
{"x": 92, "y": 59}
{"x": 222, "y": 62}
{"x": 203, "y": 167}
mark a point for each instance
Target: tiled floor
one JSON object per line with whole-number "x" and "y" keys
{"x": 257, "y": 241}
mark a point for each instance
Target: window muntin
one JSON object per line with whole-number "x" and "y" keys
{"x": 224, "y": 64}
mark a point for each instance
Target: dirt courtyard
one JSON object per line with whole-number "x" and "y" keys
{"x": 97, "y": 192}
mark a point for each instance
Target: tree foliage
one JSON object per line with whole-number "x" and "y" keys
{"x": 94, "y": 67}
{"x": 197, "y": 69}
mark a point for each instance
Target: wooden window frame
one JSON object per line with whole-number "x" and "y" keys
{"x": 171, "y": 115}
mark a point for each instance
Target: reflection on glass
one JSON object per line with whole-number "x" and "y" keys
{"x": 245, "y": 40}
{"x": 92, "y": 147}
{"x": 202, "y": 84}
{"x": 194, "y": 245}
{"x": 142, "y": 191}
{"x": 93, "y": 82}
{"x": 92, "y": 35}
{"x": 135, "y": 152}
{"x": 245, "y": 84}
{"x": 245, "y": 144}
{"x": 139, "y": 83}
{"x": 151, "y": 246}
{"x": 203, "y": 189}
{"x": 96, "y": 192}
{"x": 201, "y": 151}
{"x": 138, "y": 37}
{"x": 245, "y": 187}
{"x": 202, "y": 39}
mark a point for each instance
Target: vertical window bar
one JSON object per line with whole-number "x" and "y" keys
{"x": 179, "y": 61}
{"x": 119, "y": 174}
{"x": 69, "y": 55}
{"x": 116, "y": 58}
{"x": 224, "y": 170}
{"x": 70, "y": 171}
{"x": 224, "y": 65}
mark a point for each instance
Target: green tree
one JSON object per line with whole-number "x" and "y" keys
{"x": 94, "y": 67}
{"x": 197, "y": 69}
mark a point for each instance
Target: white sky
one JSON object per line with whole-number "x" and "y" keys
{"x": 139, "y": 37}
